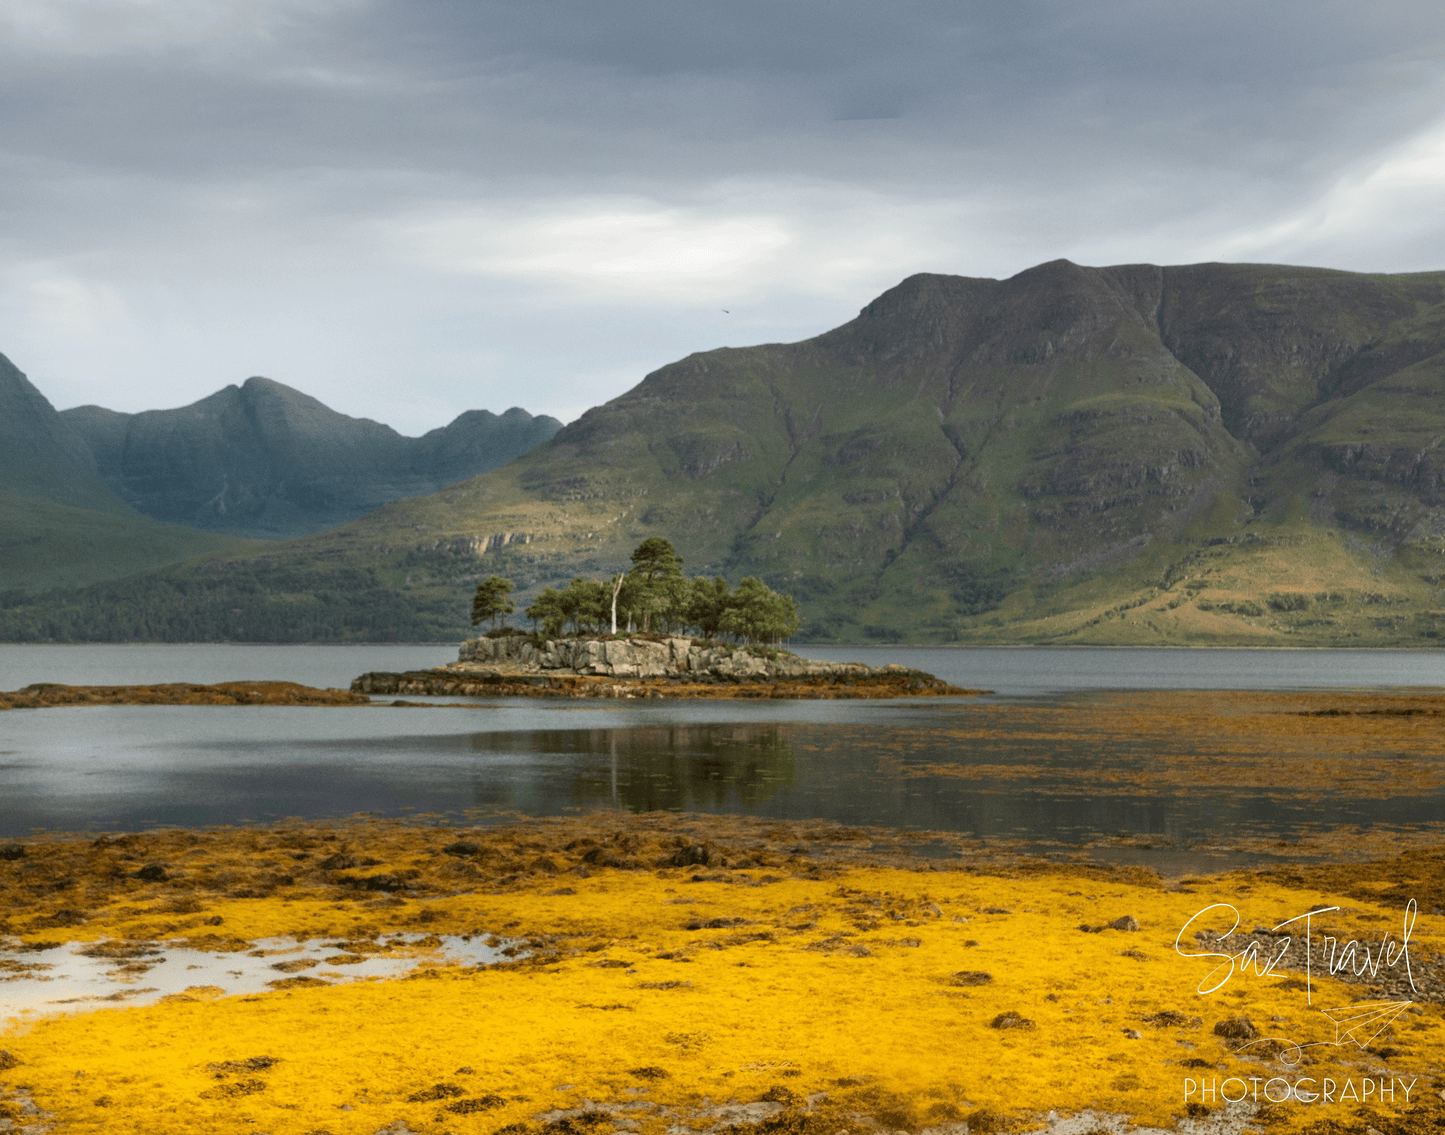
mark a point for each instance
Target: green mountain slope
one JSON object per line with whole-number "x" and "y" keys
{"x": 44, "y": 457}
{"x": 1213, "y": 454}
{"x": 59, "y": 524}
{"x": 265, "y": 460}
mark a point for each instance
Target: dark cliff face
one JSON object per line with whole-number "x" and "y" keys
{"x": 262, "y": 459}
{"x": 1272, "y": 342}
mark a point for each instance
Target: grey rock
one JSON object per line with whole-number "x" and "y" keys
{"x": 638, "y": 658}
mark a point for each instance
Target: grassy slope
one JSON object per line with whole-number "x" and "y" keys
{"x": 47, "y": 544}
{"x": 972, "y": 461}
{"x": 59, "y": 524}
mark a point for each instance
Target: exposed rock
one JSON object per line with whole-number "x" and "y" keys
{"x": 515, "y": 665}
{"x": 639, "y": 658}
{"x": 1237, "y": 1028}
{"x": 694, "y": 856}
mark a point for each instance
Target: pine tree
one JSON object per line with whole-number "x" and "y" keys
{"x": 491, "y": 601}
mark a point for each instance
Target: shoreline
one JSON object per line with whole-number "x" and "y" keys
{"x": 442, "y": 682}
{"x": 47, "y": 695}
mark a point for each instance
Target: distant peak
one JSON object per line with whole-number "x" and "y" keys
{"x": 261, "y": 382}
{"x": 1058, "y": 267}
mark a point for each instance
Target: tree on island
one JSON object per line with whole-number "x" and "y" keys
{"x": 707, "y": 603}
{"x": 657, "y": 569}
{"x": 655, "y": 594}
{"x": 491, "y": 601}
{"x": 654, "y": 558}
{"x": 757, "y": 613}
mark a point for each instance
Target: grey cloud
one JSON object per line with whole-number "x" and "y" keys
{"x": 701, "y": 90}
{"x": 1022, "y": 129}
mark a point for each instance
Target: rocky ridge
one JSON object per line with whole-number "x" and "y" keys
{"x": 265, "y": 460}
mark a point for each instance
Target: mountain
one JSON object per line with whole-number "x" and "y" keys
{"x": 59, "y": 523}
{"x": 1213, "y": 453}
{"x": 265, "y": 460}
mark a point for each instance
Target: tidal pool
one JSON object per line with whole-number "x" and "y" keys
{"x": 80, "y": 976}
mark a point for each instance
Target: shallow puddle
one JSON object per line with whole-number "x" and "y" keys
{"x": 80, "y": 976}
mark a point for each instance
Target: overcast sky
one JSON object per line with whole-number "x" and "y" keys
{"x": 410, "y": 208}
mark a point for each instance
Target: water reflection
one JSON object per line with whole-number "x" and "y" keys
{"x": 1187, "y": 768}
{"x": 702, "y": 768}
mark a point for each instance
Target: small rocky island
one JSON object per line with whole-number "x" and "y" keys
{"x": 649, "y": 666}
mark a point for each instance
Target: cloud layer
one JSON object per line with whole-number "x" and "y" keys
{"x": 417, "y": 207}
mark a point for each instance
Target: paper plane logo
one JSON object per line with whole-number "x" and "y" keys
{"x": 1363, "y": 1021}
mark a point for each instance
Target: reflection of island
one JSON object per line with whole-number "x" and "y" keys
{"x": 668, "y": 768}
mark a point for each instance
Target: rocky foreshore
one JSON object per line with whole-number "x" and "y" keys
{"x": 43, "y": 695}
{"x": 649, "y": 667}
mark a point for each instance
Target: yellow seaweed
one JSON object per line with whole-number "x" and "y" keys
{"x": 828, "y": 984}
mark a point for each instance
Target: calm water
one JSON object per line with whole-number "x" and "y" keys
{"x": 1008, "y": 670}
{"x": 117, "y": 664}
{"x": 135, "y": 767}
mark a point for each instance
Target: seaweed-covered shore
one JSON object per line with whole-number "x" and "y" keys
{"x": 683, "y": 972}
{"x": 448, "y": 682}
{"x": 44, "y": 695}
